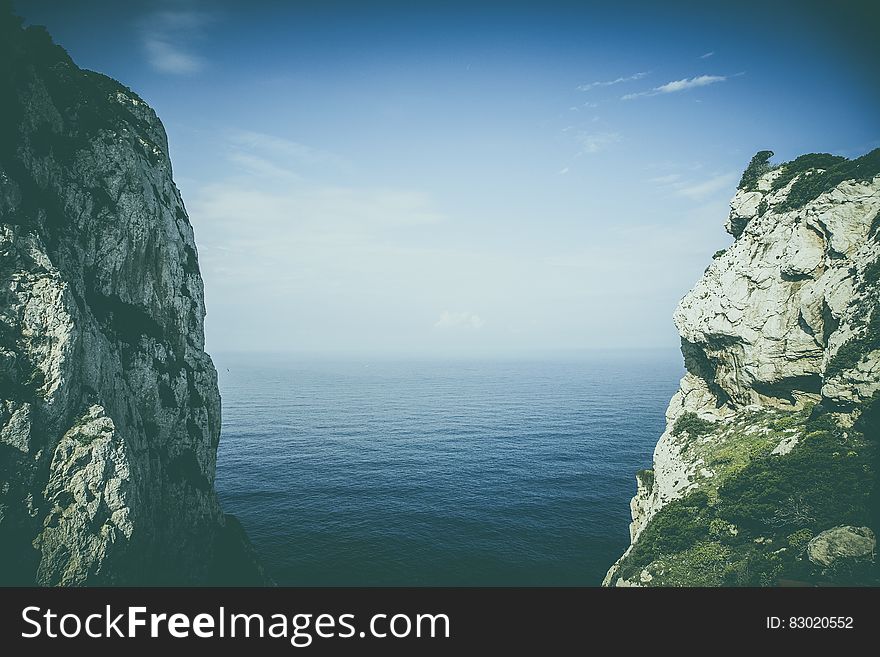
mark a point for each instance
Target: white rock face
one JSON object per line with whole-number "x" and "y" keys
{"x": 110, "y": 412}
{"x": 89, "y": 486}
{"x": 761, "y": 326}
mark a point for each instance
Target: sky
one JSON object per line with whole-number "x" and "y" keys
{"x": 474, "y": 179}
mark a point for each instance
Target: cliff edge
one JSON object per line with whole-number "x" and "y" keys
{"x": 766, "y": 473}
{"x": 109, "y": 406}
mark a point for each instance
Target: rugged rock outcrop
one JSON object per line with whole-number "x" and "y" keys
{"x": 842, "y": 544}
{"x": 109, "y": 406}
{"x": 772, "y": 436}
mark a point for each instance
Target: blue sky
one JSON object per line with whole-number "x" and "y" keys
{"x": 434, "y": 178}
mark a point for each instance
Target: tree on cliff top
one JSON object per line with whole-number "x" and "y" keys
{"x": 758, "y": 166}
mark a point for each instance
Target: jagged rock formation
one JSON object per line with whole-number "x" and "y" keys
{"x": 110, "y": 411}
{"x": 771, "y": 439}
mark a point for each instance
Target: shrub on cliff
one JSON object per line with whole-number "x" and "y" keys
{"x": 805, "y": 163}
{"x": 758, "y": 166}
{"x": 764, "y": 515}
{"x": 825, "y": 480}
{"x": 692, "y": 425}
{"x": 835, "y": 170}
{"x": 856, "y": 349}
{"x": 677, "y": 526}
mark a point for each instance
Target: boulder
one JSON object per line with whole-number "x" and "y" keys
{"x": 842, "y": 543}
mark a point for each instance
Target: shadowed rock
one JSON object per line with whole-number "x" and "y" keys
{"x": 109, "y": 407}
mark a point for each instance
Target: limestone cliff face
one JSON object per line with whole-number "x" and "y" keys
{"x": 781, "y": 343}
{"x": 110, "y": 411}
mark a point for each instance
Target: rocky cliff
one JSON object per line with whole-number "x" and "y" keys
{"x": 109, "y": 407}
{"x": 766, "y": 472}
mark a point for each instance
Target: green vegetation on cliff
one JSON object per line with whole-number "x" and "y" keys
{"x": 828, "y": 172}
{"x": 771, "y": 472}
{"x": 691, "y": 424}
{"x": 822, "y": 172}
{"x": 758, "y": 166}
{"x": 752, "y": 527}
{"x": 857, "y": 348}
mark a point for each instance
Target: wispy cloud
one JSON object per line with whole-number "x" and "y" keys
{"x": 697, "y": 188}
{"x": 665, "y": 180}
{"x": 706, "y": 188}
{"x": 678, "y": 85}
{"x": 304, "y": 214}
{"x": 262, "y": 161}
{"x": 707, "y": 55}
{"x": 593, "y": 142}
{"x": 608, "y": 83}
{"x": 324, "y": 263}
{"x": 283, "y": 152}
{"x": 459, "y": 320}
{"x": 263, "y": 167}
{"x": 690, "y": 83}
{"x": 562, "y": 171}
{"x": 168, "y": 39}
{"x": 691, "y": 182}
{"x": 170, "y": 59}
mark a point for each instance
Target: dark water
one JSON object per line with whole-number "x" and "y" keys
{"x": 439, "y": 473}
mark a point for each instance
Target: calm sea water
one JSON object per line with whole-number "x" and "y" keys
{"x": 438, "y": 473}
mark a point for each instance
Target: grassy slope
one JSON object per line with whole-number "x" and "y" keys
{"x": 749, "y": 524}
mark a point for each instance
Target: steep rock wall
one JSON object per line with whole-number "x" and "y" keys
{"x": 781, "y": 344}
{"x": 110, "y": 411}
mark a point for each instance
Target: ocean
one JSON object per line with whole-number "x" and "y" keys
{"x": 439, "y": 473}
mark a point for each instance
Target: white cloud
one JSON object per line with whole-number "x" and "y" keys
{"x": 271, "y": 157}
{"x": 260, "y": 166}
{"x": 608, "y": 83}
{"x": 266, "y": 208}
{"x": 305, "y": 213}
{"x": 707, "y": 55}
{"x": 169, "y": 59}
{"x": 665, "y": 180}
{"x": 593, "y": 142}
{"x": 698, "y": 191}
{"x": 262, "y": 161}
{"x": 678, "y": 85}
{"x": 285, "y": 149}
{"x": 459, "y": 320}
{"x": 562, "y": 171}
{"x": 690, "y": 83}
{"x": 168, "y": 36}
